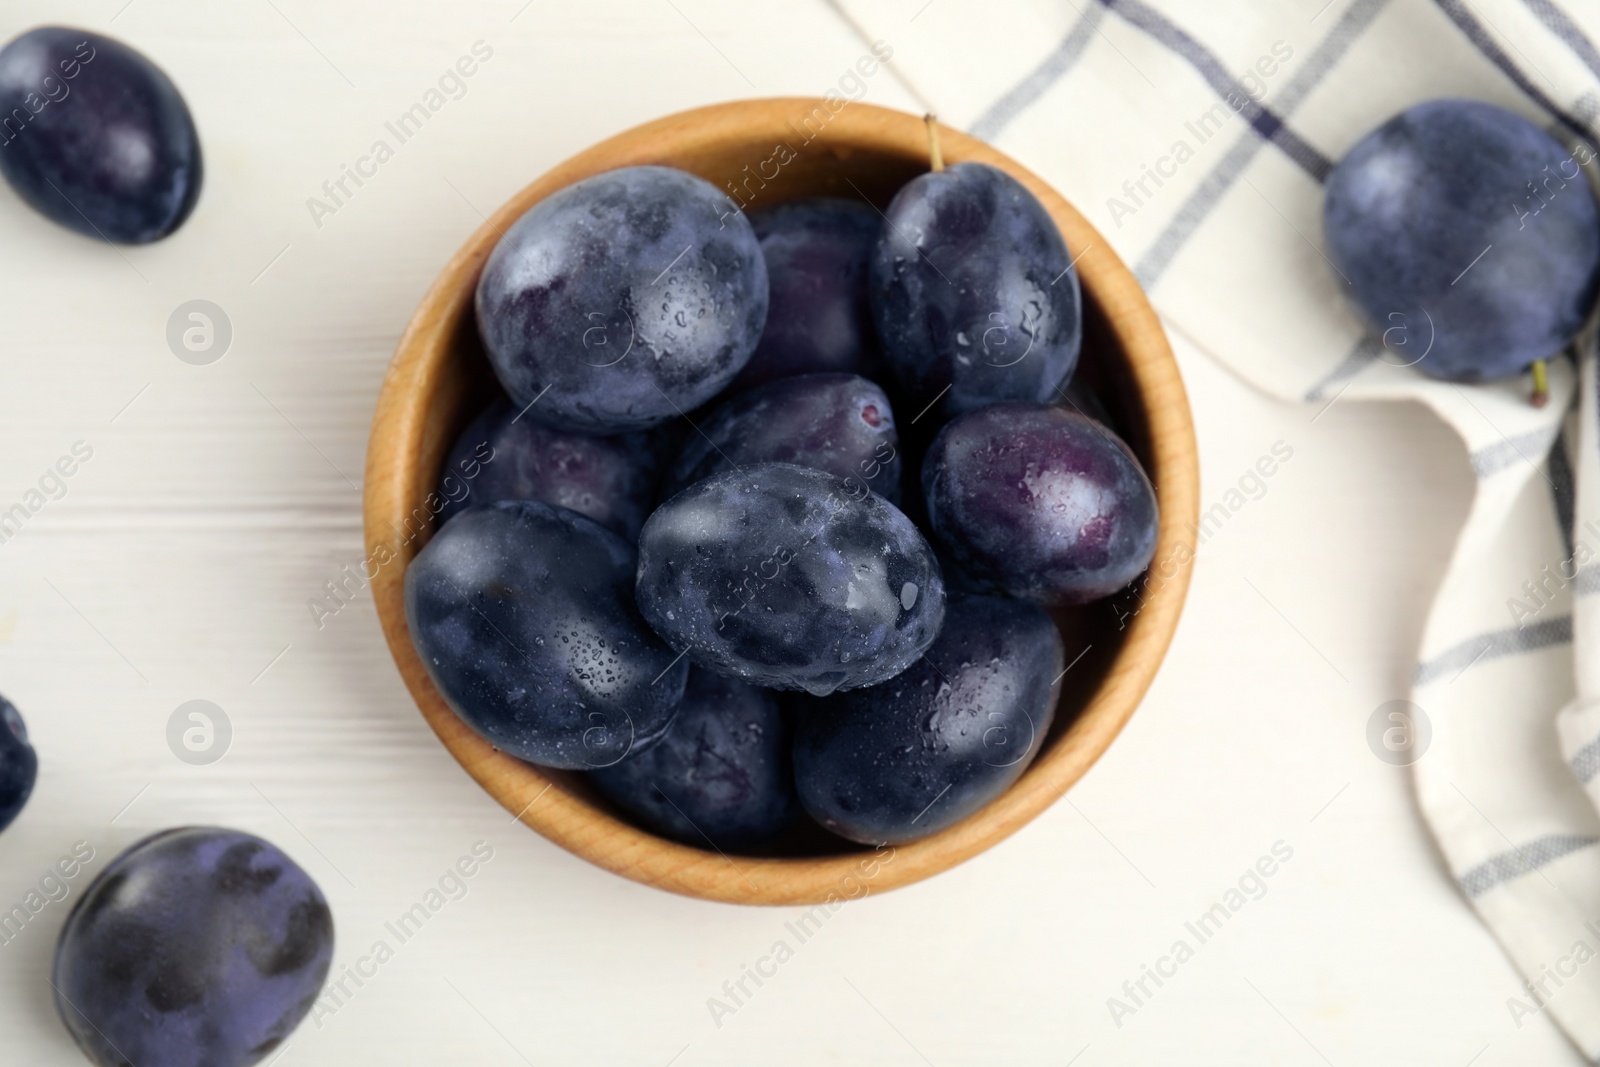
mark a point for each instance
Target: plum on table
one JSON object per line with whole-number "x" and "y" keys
{"x": 523, "y": 615}
{"x": 95, "y": 137}
{"x": 924, "y": 750}
{"x": 1039, "y": 502}
{"x": 818, "y": 317}
{"x": 502, "y": 456}
{"x": 974, "y": 293}
{"x": 1468, "y": 237}
{"x": 19, "y": 765}
{"x": 197, "y": 947}
{"x": 720, "y": 775}
{"x": 839, "y": 423}
{"x": 789, "y": 578}
{"x": 623, "y": 300}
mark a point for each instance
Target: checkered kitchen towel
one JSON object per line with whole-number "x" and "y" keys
{"x": 1198, "y": 138}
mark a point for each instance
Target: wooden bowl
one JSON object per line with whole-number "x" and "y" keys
{"x": 767, "y": 151}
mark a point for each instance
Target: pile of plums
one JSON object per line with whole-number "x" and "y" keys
{"x": 685, "y": 560}
{"x": 1468, "y": 238}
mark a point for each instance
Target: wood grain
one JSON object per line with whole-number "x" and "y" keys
{"x": 438, "y": 374}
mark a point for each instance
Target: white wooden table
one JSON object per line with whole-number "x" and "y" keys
{"x": 220, "y": 498}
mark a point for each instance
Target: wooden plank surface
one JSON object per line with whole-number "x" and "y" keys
{"x": 219, "y": 499}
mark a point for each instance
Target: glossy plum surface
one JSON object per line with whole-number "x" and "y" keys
{"x": 623, "y": 300}
{"x": 819, "y": 319}
{"x": 789, "y": 578}
{"x": 95, "y": 137}
{"x": 839, "y": 423}
{"x": 1039, "y": 502}
{"x": 197, "y": 947}
{"x": 974, "y": 295}
{"x": 924, "y": 750}
{"x": 19, "y": 766}
{"x": 721, "y": 776}
{"x": 523, "y": 615}
{"x": 505, "y": 455}
{"x": 1468, "y": 237}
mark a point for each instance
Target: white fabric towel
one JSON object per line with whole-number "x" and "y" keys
{"x": 1235, "y": 111}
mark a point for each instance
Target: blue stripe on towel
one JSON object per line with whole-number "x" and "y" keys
{"x": 1531, "y": 448}
{"x": 1362, "y": 355}
{"x": 1055, "y": 66}
{"x": 1266, "y": 123}
{"x": 1588, "y": 581}
{"x": 1198, "y": 207}
{"x": 1586, "y": 761}
{"x": 1452, "y": 662}
{"x": 1561, "y": 491}
{"x": 1560, "y": 23}
{"x": 1514, "y": 863}
{"x": 1459, "y": 13}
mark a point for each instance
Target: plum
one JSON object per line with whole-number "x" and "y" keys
{"x": 523, "y": 615}
{"x": 720, "y": 775}
{"x": 818, "y": 317}
{"x": 1468, "y": 237}
{"x": 95, "y": 137}
{"x": 839, "y": 423}
{"x": 502, "y": 456}
{"x": 197, "y": 947}
{"x": 19, "y": 766}
{"x": 789, "y": 578}
{"x": 974, "y": 294}
{"x": 1038, "y": 502}
{"x": 907, "y": 758}
{"x": 622, "y": 300}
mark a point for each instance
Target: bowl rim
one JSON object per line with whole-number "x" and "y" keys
{"x": 396, "y": 490}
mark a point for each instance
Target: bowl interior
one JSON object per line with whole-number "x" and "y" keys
{"x": 762, "y": 156}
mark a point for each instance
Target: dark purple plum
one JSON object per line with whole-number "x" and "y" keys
{"x": 819, "y": 319}
{"x": 1469, "y": 239}
{"x": 95, "y": 137}
{"x": 623, "y": 300}
{"x": 789, "y": 578}
{"x": 922, "y": 751}
{"x": 839, "y": 423}
{"x": 523, "y": 615}
{"x": 197, "y": 947}
{"x": 19, "y": 766}
{"x": 502, "y": 456}
{"x": 722, "y": 773}
{"x": 974, "y": 294}
{"x": 1039, "y": 502}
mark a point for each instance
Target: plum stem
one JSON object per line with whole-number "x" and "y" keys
{"x": 935, "y": 155}
{"x": 1541, "y": 384}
